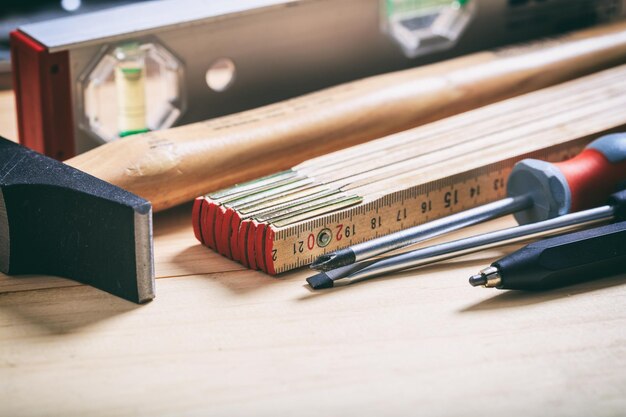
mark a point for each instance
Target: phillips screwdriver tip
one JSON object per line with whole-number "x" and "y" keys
{"x": 334, "y": 260}
{"x": 322, "y": 260}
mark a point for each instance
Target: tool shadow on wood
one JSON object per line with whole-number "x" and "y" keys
{"x": 193, "y": 260}
{"x": 242, "y": 283}
{"x": 516, "y": 299}
{"x": 172, "y": 220}
{"x": 74, "y": 308}
{"x": 28, "y": 282}
{"x": 177, "y": 253}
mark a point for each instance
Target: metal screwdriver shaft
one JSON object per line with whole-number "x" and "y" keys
{"x": 537, "y": 190}
{"x": 465, "y": 246}
{"x": 422, "y": 232}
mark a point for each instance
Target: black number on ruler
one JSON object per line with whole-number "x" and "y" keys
{"x": 298, "y": 247}
{"x": 274, "y": 256}
{"x": 475, "y": 191}
{"x": 347, "y": 232}
{"x": 401, "y": 215}
{"x": 375, "y": 222}
{"x": 498, "y": 184}
{"x": 451, "y": 198}
{"x": 427, "y": 206}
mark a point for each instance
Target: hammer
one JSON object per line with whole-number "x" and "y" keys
{"x": 61, "y": 219}
{"x": 58, "y": 220}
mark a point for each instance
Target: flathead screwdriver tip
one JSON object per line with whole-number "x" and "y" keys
{"x": 320, "y": 281}
{"x": 334, "y": 260}
{"x": 477, "y": 280}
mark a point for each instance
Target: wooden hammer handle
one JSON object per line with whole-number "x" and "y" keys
{"x": 172, "y": 166}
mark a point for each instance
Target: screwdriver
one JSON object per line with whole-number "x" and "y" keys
{"x": 614, "y": 210}
{"x": 558, "y": 261}
{"x": 536, "y": 190}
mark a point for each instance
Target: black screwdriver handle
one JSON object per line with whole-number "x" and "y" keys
{"x": 566, "y": 259}
{"x": 618, "y": 202}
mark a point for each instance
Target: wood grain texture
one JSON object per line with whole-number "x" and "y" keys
{"x": 222, "y": 342}
{"x": 218, "y": 341}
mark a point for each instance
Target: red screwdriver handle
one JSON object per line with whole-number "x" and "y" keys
{"x": 582, "y": 182}
{"x": 596, "y": 172}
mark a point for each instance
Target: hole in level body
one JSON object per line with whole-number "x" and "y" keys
{"x": 220, "y": 74}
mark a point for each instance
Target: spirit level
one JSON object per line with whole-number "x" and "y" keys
{"x": 198, "y": 59}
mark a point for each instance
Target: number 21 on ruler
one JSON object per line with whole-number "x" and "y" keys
{"x": 298, "y": 247}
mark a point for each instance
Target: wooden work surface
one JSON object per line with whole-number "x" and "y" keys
{"x": 223, "y": 341}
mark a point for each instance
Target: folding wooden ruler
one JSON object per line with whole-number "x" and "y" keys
{"x": 292, "y": 247}
{"x": 286, "y": 220}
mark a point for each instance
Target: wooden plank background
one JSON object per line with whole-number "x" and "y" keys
{"x": 222, "y": 341}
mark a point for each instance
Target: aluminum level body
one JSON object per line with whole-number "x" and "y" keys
{"x": 280, "y": 48}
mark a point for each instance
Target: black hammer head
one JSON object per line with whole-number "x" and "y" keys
{"x": 57, "y": 220}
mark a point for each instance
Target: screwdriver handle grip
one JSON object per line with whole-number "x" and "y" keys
{"x": 618, "y": 202}
{"x": 565, "y": 259}
{"x": 579, "y": 183}
{"x": 596, "y": 171}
